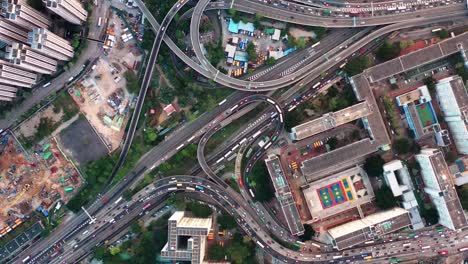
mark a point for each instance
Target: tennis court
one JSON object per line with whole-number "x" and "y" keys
{"x": 426, "y": 114}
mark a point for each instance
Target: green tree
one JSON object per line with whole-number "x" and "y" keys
{"x": 226, "y": 221}
{"x": 179, "y": 34}
{"x": 127, "y": 194}
{"x": 132, "y": 81}
{"x": 463, "y": 193}
{"x": 99, "y": 252}
{"x": 150, "y": 135}
{"x": 252, "y": 52}
{"x": 384, "y": 198}
{"x": 216, "y": 252}
{"x": 430, "y": 82}
{"x": 309, "y": 232}
{"x": 374, "y": 165}
{"x": 430, "y": 215}
{"x": 394, "y": 86}
{"x": 199, "y": 210}
{"x": 238, "y": 253}
{"x": 388, "y": 51}
{"x": 357, "y": 65}
{"x": 148, "y": 39}
{"x": 270, "y": 61}
{"x": 136, "y": 228}
{"x": 178, "y": 201}
{"x": 443, "y": 34}
{"x": 402, "y": 146}
{"x": 263, "y": 189}
{"x": 333, "y": 143}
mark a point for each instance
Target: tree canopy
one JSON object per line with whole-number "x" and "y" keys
{"x": 357, "y": 65}
{"x": 388, "y": 51}
{"x": 374, "y": 165}
{"x": 384, "y": 198}
{"x": 402, "y": 146}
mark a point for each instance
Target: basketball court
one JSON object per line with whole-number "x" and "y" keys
{"x": 426, "y": 114}
{"x": 335, "y": 193}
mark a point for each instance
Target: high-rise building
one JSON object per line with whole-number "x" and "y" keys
{"x": 440, "y": 188}
{"x": 22, "y": 56}
{"x": 70, "y": 10}
{"x": 186, "y": 238}
{"x": 10, "y": 33}
{"x": 46, "y": 42}
{"x": 20, "y": 13}
{"x": 12, "y": 75}
{"x": 453, "y": 101}
{"x": 7, "y": 93}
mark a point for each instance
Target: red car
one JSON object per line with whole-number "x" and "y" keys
{"x": 443, "y": 253}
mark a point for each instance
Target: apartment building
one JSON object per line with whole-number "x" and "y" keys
{"x": 186, "y": 238}
{"x": 10, "y": 32}
{"x": 453, "y": 101}
{"x": 20, "y": 13}
{"x": 49, "y": 44}
{"x": 440, "y": 188}
{"x": 22, "y": 56}
{"x": 11, "y": 75}
{"x": 70, "y": 10}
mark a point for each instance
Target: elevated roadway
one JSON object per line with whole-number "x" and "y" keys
{"x": 319, "y": 66}
{"x": 152, "y": 195}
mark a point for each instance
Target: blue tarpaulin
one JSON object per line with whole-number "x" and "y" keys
{"x": 235, "y": 27}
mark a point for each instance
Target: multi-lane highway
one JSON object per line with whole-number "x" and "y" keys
{"x": 319, "y": 66}
{"x": 118, "y": 215}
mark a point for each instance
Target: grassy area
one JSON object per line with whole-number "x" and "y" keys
{"x": 181, "y": 162}
{"x": 62, "y": 104}
{"x": 97, "y": 173}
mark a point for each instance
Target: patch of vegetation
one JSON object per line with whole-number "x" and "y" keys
{"x": 443, "y": 34}
{"x": 358, "y": 65}
{"x": 430, "y": 82}
{"x": 261, "y": 183}
{"x": 388, "y": 51}
{"x": 215, "y": 53}
{"x": 334, "y": 100}
{"x": 402, "y": 146}
{"x": 239, "y": 250}
{"x": 199, "y": 210}
{"x": 251, "y": 52}
{"x": 373, "y": 165}
{"x": 226, "y": 221}
{"x": 384, "y": 198}
{"x": 392, "y": 115}
{"x": 133, "y": 84}
{"x": 309, "y": 233}
{"x": 97, "y": 173}
{"x": 145, "y": 248}
{"x": 181, "y": 162}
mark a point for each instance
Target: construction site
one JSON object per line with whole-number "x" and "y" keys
{"x": 102, "y": 95}
{"x": 33, "y": 180}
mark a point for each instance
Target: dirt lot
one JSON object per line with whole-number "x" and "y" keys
{"x": 29, "y": 128}
{"x": 32, "y": 179}
{"x": 102, "y": 95}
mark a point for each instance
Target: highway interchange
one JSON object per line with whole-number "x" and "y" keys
{"x": 234, "y": 204}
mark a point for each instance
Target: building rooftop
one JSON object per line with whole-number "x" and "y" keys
{"x": 284, "y": 195}
{"x": 417, "y": 58}
{"x": 195, "y": 222}
{"x": 440, "y": 187}
{"x": 331, "y": 120}
{"x": 358, "y": 231}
